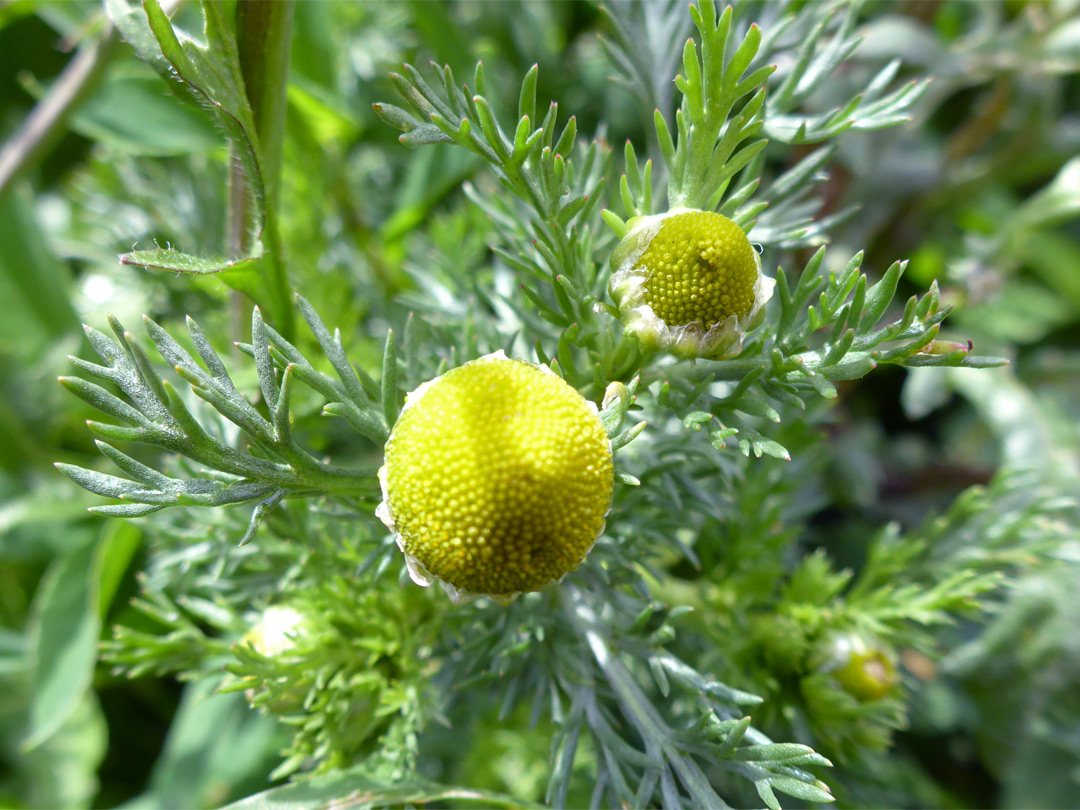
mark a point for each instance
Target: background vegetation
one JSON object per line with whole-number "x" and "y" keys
{"x": 926, "y": 509}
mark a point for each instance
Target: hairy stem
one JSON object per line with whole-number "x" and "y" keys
{"x": 264, "y": 39}
{"x": 45, "y": 124}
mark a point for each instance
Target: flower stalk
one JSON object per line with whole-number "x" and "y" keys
{"x": 264, "y": 41}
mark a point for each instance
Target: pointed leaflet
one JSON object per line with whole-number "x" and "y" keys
{"x": 212, "y": 73}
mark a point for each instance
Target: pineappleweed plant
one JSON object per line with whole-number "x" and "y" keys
{"x": 628, "y": 392}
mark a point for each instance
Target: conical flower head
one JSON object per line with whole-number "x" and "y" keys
{"x": 861, "y": 666}
{"x": 868, "y": 675}
{"x": 274, "y": 632}
{"x": 497, "y": 480}
{"x": 689, "y": 282}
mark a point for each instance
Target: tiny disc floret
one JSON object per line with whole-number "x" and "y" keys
{"x": 688, "y": 282}
{"x": 497, "y": 480}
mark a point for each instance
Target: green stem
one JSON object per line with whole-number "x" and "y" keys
{"x": 46, "y": 124}
{"x": 264, "y": 40}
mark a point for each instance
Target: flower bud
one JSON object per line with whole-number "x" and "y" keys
{"x": 863, "y": 670}
{"x": 274, "y": 635}
{"x": 688, "y": 282}
{"x": 497, "y": 480}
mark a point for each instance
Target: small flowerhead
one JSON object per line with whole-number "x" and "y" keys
{"x": 862, "y": 668}
{"x": 274, "y": 633}
{"x": 497, "y": 480}
{"x": 688, "y": 282}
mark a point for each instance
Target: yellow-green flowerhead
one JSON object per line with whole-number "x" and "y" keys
{"x": 497, "y": 480}
{"x": 867, "y": 676}
{"x": 273, "y": 634}
{"x": 862, "y": 668}
{"x": 688, "y": 282}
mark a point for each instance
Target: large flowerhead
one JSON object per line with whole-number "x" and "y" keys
{"x": 497, "y": 480}
{"x": 688, "y": 282}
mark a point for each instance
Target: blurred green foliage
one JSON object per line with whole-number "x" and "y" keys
{"x": 980, "y": 190}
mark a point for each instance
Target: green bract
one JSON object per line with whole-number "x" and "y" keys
{"x": 497, "y": 480}
{"x": 688, "y": 282}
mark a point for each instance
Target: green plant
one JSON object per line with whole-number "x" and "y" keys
{"x": 702, "y": 624}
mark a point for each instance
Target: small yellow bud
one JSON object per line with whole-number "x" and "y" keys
{"x": 497, "y": 480}
{"x": 867, "y": 676}
{"x": 688, "y": 282}
{"x": 273, "y": 634}
{"x": 862, "y": 667}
